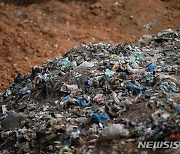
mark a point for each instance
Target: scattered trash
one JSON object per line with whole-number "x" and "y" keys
{"x": 4, "y": 110}
{"x": 135, "y": 88}
{"x": 109, "y": 73}
{"x": 65, "y": 150}
{"x": 151, "y": 67}
{"x": 94, "y": 94}
{"x": 99, "y": 98}
{"x": 100, "y": 117}
{"x": 82, "y": 102}
{"x": 86, "y": 64}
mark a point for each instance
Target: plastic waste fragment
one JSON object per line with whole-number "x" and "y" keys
{"x": 159, "y": 116}
{"x": 133, "y": 63}
{"x": 4, "y": 109}
{"x": 109, "y": 73}
{"x": 100, "y": 117}
{"x": 86, "y": 64}
{"x": 177, "y": 108}
{"x": 135, "y": 88}
{"x": 24, "y": 90}
{"x": 65, "y": 149}
{"x": 99, "y": 98}
{"x": 115, "y": 67}
{"x": 151, "y": 67}
{"x": 82, "y": 102}
{"x": 67, "y": 98}
{"x": 76, "y": 134}
{"x": 66, "y": 63}
{"x": 139, "y": 55}
{"x": 112, "y": 132}
{"x": 133, "y": 76}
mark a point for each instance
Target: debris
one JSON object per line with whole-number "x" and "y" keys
{"x": 112, "y": 132}
{"x": 100, "y": 117}
{"x": 65, "y": 150}
{"x": 93, "y": 94}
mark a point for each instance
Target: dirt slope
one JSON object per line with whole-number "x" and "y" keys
{"x": 33, "y": 33}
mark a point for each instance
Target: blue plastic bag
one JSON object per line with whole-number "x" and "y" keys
{"x": 135, "y": 88}
{"x": 100, "y": 117}
{"x": 66, "y": 99}
{"x": 83, "y": 102}
{"x": 109, "y": 73}
{"x": 66, "y": 63}
{"x": 151, "y": 67}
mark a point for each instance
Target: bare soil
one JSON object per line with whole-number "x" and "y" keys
{"x": 33, "y": 31}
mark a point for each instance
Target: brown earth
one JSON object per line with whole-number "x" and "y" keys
{"x": 33, "y": 31}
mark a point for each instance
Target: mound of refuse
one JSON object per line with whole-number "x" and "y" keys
{"x": 97, "y": 98}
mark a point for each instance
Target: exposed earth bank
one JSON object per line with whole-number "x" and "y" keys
{"x": 32, "y": 32}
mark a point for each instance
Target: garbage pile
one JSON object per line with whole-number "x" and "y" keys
{"x": 96, "y": 98}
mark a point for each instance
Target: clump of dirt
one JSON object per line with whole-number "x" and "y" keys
{"x": 32, "y": 32}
